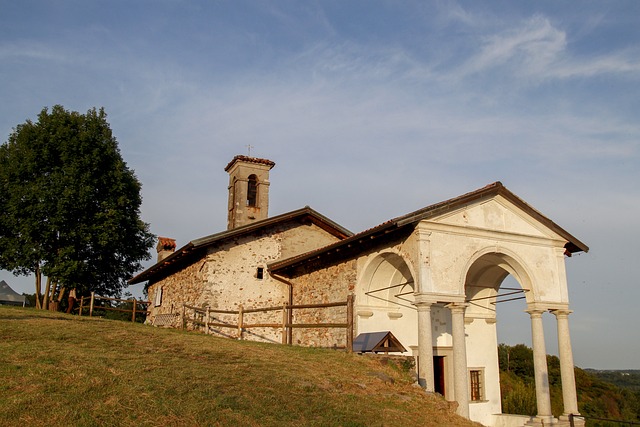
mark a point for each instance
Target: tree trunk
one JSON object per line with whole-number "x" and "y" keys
{"x": 38, "y": 286}
{"x": 61, "y": 294}
{"x": 54, "y": 288}
{"x": 45, "y": 302}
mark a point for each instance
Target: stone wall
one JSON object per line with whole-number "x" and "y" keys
{"x": 227, "y": 277}
{"x": 331, "y": 284}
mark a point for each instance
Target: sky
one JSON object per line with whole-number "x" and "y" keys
{"x": 370, "y": 109}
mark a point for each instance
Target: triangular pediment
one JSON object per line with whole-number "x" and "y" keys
{"x": 496, "y": 214}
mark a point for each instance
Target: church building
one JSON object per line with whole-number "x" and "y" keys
{"x": 430, "y": 277}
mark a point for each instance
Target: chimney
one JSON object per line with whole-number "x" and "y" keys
{"x": 165, "y": 247}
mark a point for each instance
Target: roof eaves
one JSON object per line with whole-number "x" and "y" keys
{"x": 371, "y": 233}
{"x": 330, "y": 226}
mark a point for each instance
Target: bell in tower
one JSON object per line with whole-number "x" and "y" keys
{"x": 248, "y": 190}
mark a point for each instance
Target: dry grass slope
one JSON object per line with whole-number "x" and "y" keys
{"x": 62, "y": 370}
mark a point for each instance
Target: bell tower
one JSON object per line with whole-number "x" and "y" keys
{"x": 248, "y": 190}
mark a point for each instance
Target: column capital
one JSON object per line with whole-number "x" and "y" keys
{"x": 458, "y": 307}
{"x": 423, "y": 305}
{"x": 422, "y": 231}
{"x": 535, "y": 312}
{"x": 561, "y": 312}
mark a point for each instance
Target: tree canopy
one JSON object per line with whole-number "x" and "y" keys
{"x": 69, "y": 205}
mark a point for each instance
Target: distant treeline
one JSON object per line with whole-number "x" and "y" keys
{"x": 601, "y": 394}
{"x": 628, "y": 378}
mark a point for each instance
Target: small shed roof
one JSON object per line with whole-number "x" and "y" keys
{"x": 8, "y": 295}
{"x": 377, "y": 342}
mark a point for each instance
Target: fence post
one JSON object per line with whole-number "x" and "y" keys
{"x": 290, "y": 323}
{"x": 349, "y": 323}
{"x": 207, "y": 320}
{"x": 240, "y": 321}
{"x": 133, "y": 316}
{"x": 81, "y": 301}
{"x": 91, "y": 304}
{"x": 284, "y": 324}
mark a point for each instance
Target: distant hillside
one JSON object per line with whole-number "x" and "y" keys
{"x": 601, "y": 394}
{"x": 61, "y": 370}
{"x": 625, "y": 378}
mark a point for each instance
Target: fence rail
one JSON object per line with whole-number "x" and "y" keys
{"x": 89, "y": 303}
{"x": 202, "y": 317}
{"x": 573, "y": 418}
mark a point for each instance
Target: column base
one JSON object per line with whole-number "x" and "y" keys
{"x": 578, "y": 421}
{"x": 539, "y": 421}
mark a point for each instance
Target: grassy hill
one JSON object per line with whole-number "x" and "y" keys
{"x": 62, "y": 370}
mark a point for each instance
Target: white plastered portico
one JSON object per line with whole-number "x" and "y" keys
{"x": 436, "y": 291}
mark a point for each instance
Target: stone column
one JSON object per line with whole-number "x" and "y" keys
{"x": 425, "y": 347}
{"x": 569, "y": 396}
{"x": 543, "y": 398}
{"x": 461, "y": 382}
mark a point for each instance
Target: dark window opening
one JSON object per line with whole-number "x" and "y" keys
{"x": 260, "y": 273}
{"x": 438, "y": 374}
{"x": 476, "y": 385}
{"x": 252, "y": 191}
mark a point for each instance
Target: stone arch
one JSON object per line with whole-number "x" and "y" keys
{"x": 486, "y": 270}
{"x": 385, "y": 295}
{"x": 384, "y": 276}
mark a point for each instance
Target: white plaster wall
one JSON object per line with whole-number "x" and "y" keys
{"x": 454, "y": 250}
{"x": 404, "y": 328}
{"x": 482, "y": 344}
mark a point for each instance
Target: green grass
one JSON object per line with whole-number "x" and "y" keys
{"x": 62, "y": 370}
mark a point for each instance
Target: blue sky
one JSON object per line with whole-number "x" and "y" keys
{"x": 370, "y": 109}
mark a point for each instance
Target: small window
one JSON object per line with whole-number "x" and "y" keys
{"x": 476, "y": 385}
{"x": 158, "y": 298}
{"x": 252, "y": 191}
{"x": 260, "y": 273}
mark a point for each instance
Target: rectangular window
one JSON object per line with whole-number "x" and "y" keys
{"x": 476, "y": 384}
{"x": 158, "y": 298}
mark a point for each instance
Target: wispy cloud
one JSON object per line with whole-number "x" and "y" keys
{"x": 37, "y": 51}
{"x": 538, "y": 49}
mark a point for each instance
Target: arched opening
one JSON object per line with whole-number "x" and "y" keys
{"x": 498, "y": 287}
{"x": 252, "y": 191}
{"x": 498, "y": 290}
{"x": 385, "y": 298}
{"x": 485, "y": 290}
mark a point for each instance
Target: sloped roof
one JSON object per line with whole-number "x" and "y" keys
{"x": 8, "y": 294}
{"x": 573, "y": 245}
{"x": 374, "y": 342}
{"x": 193, "y": 247}
{"x": 249, "y": 159}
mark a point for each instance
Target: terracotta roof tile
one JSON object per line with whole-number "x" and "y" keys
{"x": 249, "y": 160}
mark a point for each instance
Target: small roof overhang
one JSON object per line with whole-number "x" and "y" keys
{"x": 377, "y": 342}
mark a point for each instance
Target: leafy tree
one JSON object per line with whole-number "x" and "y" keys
{"x": 69, "y": 204}
{"x": 597, "y": 396}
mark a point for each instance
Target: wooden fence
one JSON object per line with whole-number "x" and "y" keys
{"x": 203, "y": 317}
{"x": 91, "y": 303}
